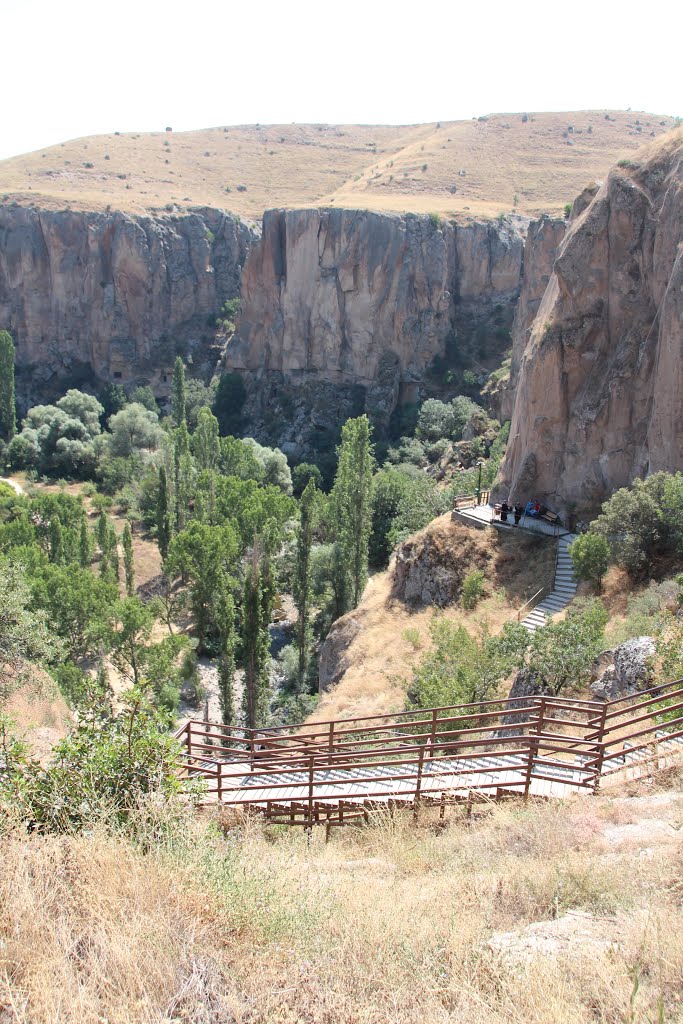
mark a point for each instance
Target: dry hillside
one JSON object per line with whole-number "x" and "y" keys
{"x": 471, "y": 168}
{"x": 370, "y": 650}
{"x": 528, "y": 914}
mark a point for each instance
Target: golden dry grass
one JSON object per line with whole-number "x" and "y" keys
{"x": 390, "y": 924}
{"x": 380, "y": 656}
{"x": 393, "y": 168}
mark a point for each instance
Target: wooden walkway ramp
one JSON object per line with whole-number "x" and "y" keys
{"x": 336, "y": 772}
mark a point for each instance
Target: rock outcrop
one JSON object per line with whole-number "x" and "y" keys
{"x": 360, "y": 304}
{"x": 599, "y": 387}
{"x": 95, "y": 297}
{"x": 625, "y": 670}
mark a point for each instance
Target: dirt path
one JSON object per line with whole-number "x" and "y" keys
{"x": 13, "y": 484}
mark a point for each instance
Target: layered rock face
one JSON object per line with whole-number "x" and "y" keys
{"x": 599, "y": 386}
{"x": 540, "y": 249}
{"x": 100, "y": 297}
{"x": 359, "y": 300}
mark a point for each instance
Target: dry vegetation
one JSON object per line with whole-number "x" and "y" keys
{"x": 386, "y": 635}
{"x": 467, "y": 168}
{"x": 530, "y": 914}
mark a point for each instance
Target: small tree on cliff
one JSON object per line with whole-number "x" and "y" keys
{"x": 8, "y": 419}
{"x": 179, "y": 393}
{"x": 352, "y": 505}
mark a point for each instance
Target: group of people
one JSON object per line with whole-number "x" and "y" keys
{"x": 532, "y": 508}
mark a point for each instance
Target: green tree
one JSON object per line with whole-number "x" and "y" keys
{"x": 129, "y": 636}
{"x": 164, "y": 513}
{"x": 8, "y": 416}
{"x": 128, "y": 563}
{"x": 590, "y": 556}
{"x": 634, "y": 525}
{"x": 183, "y": 470}
{"x": 308, "y": 509}
{"x": 256, "y": 614}
{"x": 204, "y": 555}
{"x": 105, "y": 767}
{"x": 178, "y": 393}
{"x": 205, "y": 441}
{"x": 77, "y": 604}
{"x": 226, "y": 667}
{"x": 134, "y": 429}
{"x": 24, "y": 633}
{"x": 464, "y": 669}
{"x": 302, "y": 474}
{"x": 352, "y": 504}
{"x": 562, "y": 653}
{"x": 84, "y": 545}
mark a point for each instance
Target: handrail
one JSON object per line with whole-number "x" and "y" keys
{"x": 510, "y": 745}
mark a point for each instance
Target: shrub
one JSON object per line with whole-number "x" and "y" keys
{"x": 590, "y": 556}
{"x": 472, "y": 589}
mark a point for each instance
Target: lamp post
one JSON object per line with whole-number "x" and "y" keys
{"x": 480, "y": 463}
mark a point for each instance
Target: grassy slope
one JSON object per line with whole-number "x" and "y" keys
{"x": 389, "y": 924}
{"x": 359, "y": 166}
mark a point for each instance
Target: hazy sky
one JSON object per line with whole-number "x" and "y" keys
{"x": 80, "y": 68}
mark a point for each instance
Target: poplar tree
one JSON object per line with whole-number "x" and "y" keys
{"x": 226, "y": 668}
{"x": 113, "y": 549}
{"x": 308, "y": 509}
{"x": 84, "y": 550}
{"x": 128, "y": 563}
{"x": 205, "y": 441}
{"x": 352, "y": 507}
{"x": 257, "y": 603}
{"x": 56, "y": 541}
{"x": 182, "y": 468}
{"x": 164, "y": 513}
{"x": 8, "y": 417}
{"x": 179, "y": 393}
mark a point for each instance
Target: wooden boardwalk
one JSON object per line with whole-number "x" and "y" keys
{"x": 336, "y": 772}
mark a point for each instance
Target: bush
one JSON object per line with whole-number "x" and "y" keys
{"x": 590, "y": 556}
{"x": 472, "y": 589}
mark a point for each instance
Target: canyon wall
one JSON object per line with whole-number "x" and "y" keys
{"x": 344, "y": 311}
{"x": 599, "y": 383}
{"x": 95, "y": 297}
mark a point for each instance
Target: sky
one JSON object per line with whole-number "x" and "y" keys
{"x": 81, "y": 68}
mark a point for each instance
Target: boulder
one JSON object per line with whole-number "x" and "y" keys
{"x": 625, "y": 670}
{"x": 333, "y": 662}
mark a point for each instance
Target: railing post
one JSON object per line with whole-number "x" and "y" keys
{"x": 418, "y": 783}
{"x": 311, "y": 765}
{"x": 252, "y": 749}
{"x": 534, "y": 734}
{"x": 219, "y": 784}
{"x": 432, "y": 734}
{"x": 188, "y": 738}
{"x": 331, "y": 737}
{"x": 601, "y": 750}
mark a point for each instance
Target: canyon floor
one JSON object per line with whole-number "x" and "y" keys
{"x": 528, "y": 163}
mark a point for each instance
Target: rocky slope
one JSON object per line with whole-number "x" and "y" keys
{"x": 345, "y": 309}
{"x": 598, "y": 391}
{"x": 94, "y": 297}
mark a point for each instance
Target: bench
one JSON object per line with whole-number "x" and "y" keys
{"x": 463, "y": 501}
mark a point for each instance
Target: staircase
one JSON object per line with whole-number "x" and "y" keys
{"x": 564, "y": 587}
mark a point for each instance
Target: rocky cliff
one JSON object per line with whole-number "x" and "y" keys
{"x": 94, "y": 297}
{"x": 346, "y": 310}
{"x": 600, "y": 380}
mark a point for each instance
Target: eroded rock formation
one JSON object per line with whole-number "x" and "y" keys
{"x": 98, "y": 297}
{"x": 360, "y": 304}
{"x": 600, "y": 380}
